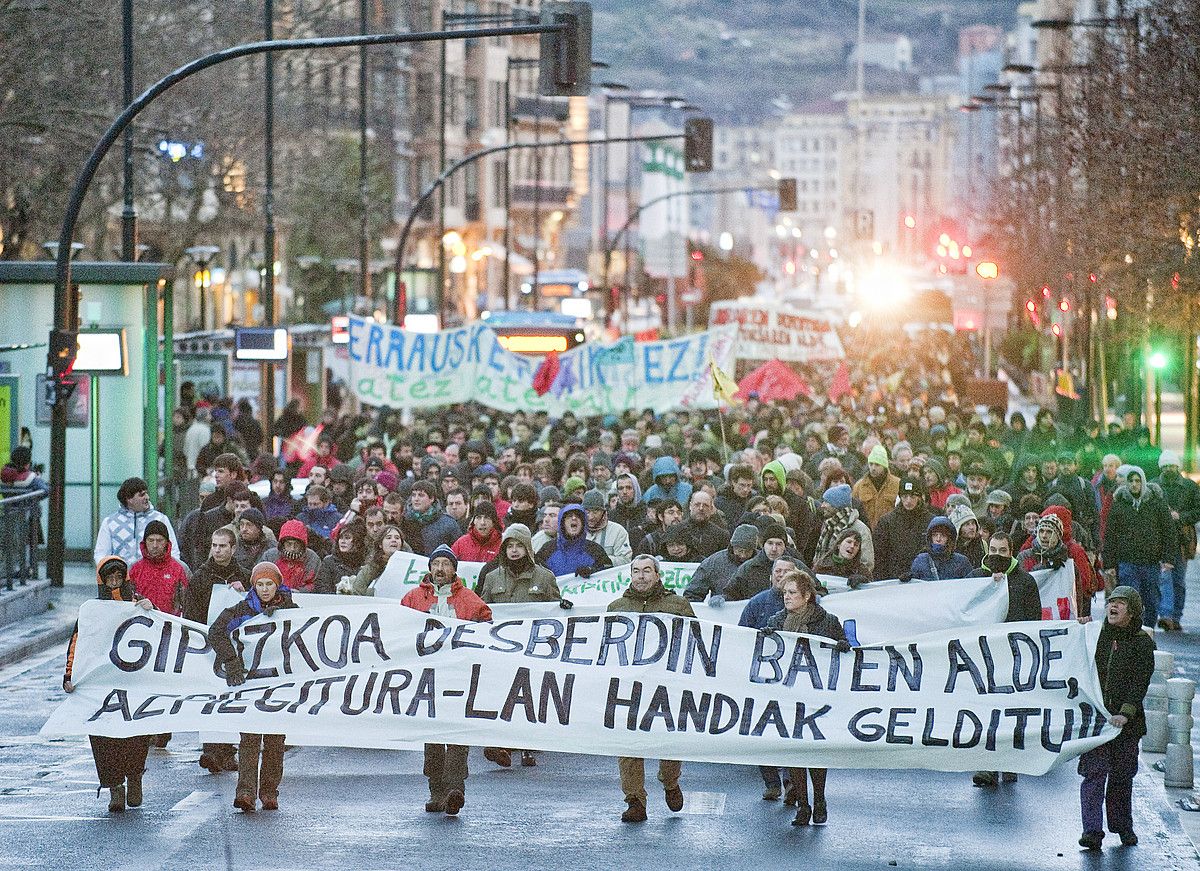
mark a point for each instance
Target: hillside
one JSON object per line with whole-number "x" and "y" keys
{"x": 735, "y": 58}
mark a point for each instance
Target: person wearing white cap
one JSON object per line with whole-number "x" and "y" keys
{"x": 1141, "y": 540}
{"x": 1183, "y": 497}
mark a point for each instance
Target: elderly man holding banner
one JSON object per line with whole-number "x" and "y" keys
{"x": 647, "y": 595}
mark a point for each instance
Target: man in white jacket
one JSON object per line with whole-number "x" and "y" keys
{"x": 121, "y": 532}
{"x": 611, "y": 536}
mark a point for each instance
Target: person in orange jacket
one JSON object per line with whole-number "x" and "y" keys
{"x": 119, "y": 761}
{"x": 443, "y": 594}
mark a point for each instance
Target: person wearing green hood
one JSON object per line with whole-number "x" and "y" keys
{"x": 1125, "y": 664}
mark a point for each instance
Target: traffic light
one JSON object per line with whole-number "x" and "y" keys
{"x": 565, "y": 68}
{"x": 697, "y": 254}
{"x": 1032, "y": 310}
{"x": 698, "y": 144}
{"x": 64, "y": 345}
{"x": 787, "y": 195}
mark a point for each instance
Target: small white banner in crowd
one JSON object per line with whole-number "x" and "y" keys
{"x": 403, "y": 369}
{"x": 1020, "y": 697}
{"x": 772, "y": 331}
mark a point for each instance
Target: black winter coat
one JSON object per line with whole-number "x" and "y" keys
{"x": 1024, "y": 600}
{"x": 199, "y": 589}
{"x": 899, "y": 536}
{"x": 1125, "y": 663}
{"x": 218, "y": 633}
{"x": 1142, "y": 536}
{"x": 821, "y": 623}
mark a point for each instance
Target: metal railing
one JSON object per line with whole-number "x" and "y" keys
{"x": 20, "y": 527}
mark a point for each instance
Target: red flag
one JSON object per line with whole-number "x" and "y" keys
{"x": 840, "y": 385}
{"x": 544, "y": 377}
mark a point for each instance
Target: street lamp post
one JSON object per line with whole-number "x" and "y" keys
{"x": 202, "y": 256}
{"x": 1155, "y": 364}
{"x": 571, "y": 39}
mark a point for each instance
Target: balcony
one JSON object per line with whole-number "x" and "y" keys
{"x": 547, "y": 108}
{"x": 551, "y": 195}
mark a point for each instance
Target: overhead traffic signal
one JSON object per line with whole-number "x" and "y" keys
{"x": 565, "y": 68}
{"x": 787, "y": 195}
{"x": 698, "y": 144}
{"x": 64, "y": 346}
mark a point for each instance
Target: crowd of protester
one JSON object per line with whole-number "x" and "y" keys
{"x": 893, "y": 477}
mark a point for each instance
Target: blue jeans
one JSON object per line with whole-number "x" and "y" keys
{"x": 1144, "y": 579}
{"x": 1174, "y": 589}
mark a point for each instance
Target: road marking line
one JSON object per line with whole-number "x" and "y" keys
{"x": 706, "y": 803}
{"x": 190, "y": 801}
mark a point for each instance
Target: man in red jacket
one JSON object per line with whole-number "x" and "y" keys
{"x": 442, "y": 594}
{"x": 481, "y": 543}
{"x": 157, "y": 575}
{"x": 297, "y": 562}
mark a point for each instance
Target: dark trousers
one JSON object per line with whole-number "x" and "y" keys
{"x": 1108, "y": 785}
{"x": 800, "y": 778}
{"x": 446, "y": 768}
{"x": 771, "y": 776}
{"x": 253, "y": 780}
{"x": 119, "y": 758}
{"x": 1146, "y": 580}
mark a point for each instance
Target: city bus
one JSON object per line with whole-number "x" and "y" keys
{"x": 536, "y": 333}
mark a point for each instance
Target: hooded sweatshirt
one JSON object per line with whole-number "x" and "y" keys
{"x": 123, "y": 593}
{"x": 298, "y": 575}
{"x": 503, "y": 581}
{"x": 1140, "y": 531}
{"x": 940, "y": 563}
{"x": 681, "y": 492}
{"x": 565, "y": 555}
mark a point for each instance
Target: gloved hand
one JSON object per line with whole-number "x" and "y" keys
{"x": 566, "y": 604}
{"x": 843, "y": 646}
{"x": 856, "y": 581}
{"x": 768, "y": 631}
{"x": 585, "y": 571}
{"x": 345, "y": 586}
{"x": 235, "y": 673}
{"x": 905, "y": 577}
{"x": 716, "y": 600}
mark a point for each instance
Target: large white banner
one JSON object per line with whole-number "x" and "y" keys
{"x": 881, "y": 611}
{"x": 773, "y": 331}
{"x": 401, "y": 369}
{"x": 1019, "y": 697}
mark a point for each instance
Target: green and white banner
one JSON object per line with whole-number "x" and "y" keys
{"x": 402, "y": 369}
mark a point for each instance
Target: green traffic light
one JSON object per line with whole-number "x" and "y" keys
{"x": 1157, "y": 360}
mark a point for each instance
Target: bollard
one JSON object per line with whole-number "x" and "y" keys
{"x": 1178, "y": 766}
{"x": 1164, "y": 662}
{"x": 1155, "y": 703}
{"x": 1156, "y": 732}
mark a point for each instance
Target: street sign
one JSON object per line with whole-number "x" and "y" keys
{"x": 691, "y": 296}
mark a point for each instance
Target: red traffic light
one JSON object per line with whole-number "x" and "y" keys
{"x": 1031, "y": 306}
{"x": 1045, "y": 291}
{"x": 697, "y": 255}
{"x": 1064, "y": 305}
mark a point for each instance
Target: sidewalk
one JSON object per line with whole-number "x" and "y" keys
{"x": 1186, "y": 647}
{"x": 34, "y": 634}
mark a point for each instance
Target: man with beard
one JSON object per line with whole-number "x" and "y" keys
{"x": 900, "y": 534}
{"x": 297, "y": 562}
{"x": 733, "y": 498}
{"x": 425, "y": 524}
{"x": 705, "y": 535}
{"x": 610, "y": 536}
{"x": 715, "y": 572}
{"x": 661, "y": 514}
{"x": 254, "y": 539}
{"x": 978, "y": 479}
{"x": 754, "y": 575}
{"x": 877, "y": 490}
{"x": 630, "y": 511}
{"x": 442, "y": 593}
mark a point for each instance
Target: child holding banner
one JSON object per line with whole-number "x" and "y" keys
{"x": 119, "y": 761}
{"x": 267, "y": 595}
